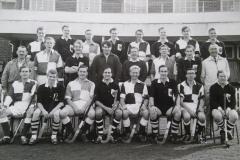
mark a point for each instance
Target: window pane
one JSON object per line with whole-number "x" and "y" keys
{"x": 112, "y": 6}
{"x": 89, "y": 6}
{"x": 135, "y": 6}
{"x": 42, "y": 5}
{"x": 227, "y": 5}
{"x": 209, "y": 5}
{"x": 160, "y": 6}
{"x": 66, "y": 5}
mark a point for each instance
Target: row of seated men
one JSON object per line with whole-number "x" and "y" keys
{"x": 164, "y": 96}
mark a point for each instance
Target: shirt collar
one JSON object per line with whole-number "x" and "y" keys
{"x": 217, "y": 58}
{"x": 74, "y": 55}
{"x": 224, "y": 84}
{"x": 181, "y": 38}
{"x": 54, "y": 85}
{"x": 194, "y": 82}
{"x": 138, "y": 81}
{"x": 166, "y": 40}
{"x": 193, "y": 58}
{"x": 159, "y": 80}
{"x": 111, "y": 80}
{"x": 46, "y": 52}
{"x": 69, "y": 37}
{"x": 110, "y": 39}
{"x": 131, "y": 60}
{"x": 209, "y": 40}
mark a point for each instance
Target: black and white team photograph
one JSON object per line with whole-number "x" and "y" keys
{"x": 119, "y": 79}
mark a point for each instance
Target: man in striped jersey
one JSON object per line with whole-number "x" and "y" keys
{"x": 20, "y": 95}
{"x": 46, "y": 60}
{"x": 134, "y": 100}
{"x": 79, "y": 94}
{"x": 50, "y": 99}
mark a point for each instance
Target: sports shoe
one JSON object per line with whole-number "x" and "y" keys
{"x": 24, "y": 140}
{"x": 5, "y": 140}
{"x": 99, "y": 139}
{"x": 174, "y": 138}
{"x": 142, "y": 138}
{"x": 186, "y": 138}
{"x": 84, "y": 138}
{"x": 32, "y": 141}
{"x": 54, "y": 140}
{"x": 69, "y": 138}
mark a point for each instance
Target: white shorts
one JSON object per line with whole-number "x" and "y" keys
{"x": 133, "y": 108}
{"x": 191, "y": 106}
{"x": 80, "y": 104}
{"x": 19, "y": 108}
{"x": 41, "y": 79}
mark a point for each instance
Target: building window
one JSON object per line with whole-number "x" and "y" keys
{"x": 238, "y": 52}
{"x": 135, "y": 6}
{"x": 112, "y": 6}
{"x": 230, "y": 5}
{"x": 66, "y": 5}
{"x": 89, "y": 6}
{"x": 230, "y": 52}
{"x": 42, "y": 5}
{"x": 184, "y": 6}
{"x": 160, "y": 6}
{"x": 209, "y": 5}
{"x": 14, "y": 4}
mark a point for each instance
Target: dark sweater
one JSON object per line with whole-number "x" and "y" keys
{"x": 217, "y": 96}
{"x": 63, "y": 48}
{"x": 119, "y": 49}
{"x": 126, "y": 66}
{"x": 205, "y": 46}
{"x": 155, "y": 48}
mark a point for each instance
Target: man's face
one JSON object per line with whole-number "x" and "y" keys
{"x": 106, "y": 49}
{"x": 139, "y": 35}
{"x": 212, "y": 34}
{"x": 163, "y": 72}
{"x": 25, "y": 72}
{"x": 49, "y": 44}
{"x": 186, "y": 33}
{"x": 107, "y": 74}
{"x": 41, "y": 34}
{"x": 164, "y": 51}
{"x": 82, "y": 73}
{"x": 66, "y": 31}
{"x": 88, "y": 35}
{"x": 134, "y": 73}
{"x": 222, "y": 78}
{"x": 163, "y": 33}
{"x": 213, "y": 50}
{"x": 21, "y": 52}
{"x": 189, "y": 53}
{"x": 77, "y": 48}
{"x": 113, "y": 34}
{"x": 191, "y": 75}
{"x": 134, "y": 53}
{"x": 52, "y": 77}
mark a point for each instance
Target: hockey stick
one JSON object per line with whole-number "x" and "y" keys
{"x": 82, "y": 122}
{"x": 195, "y": 120}
{"x": 134, "y": 125}
{"x": 225, "y": 121}
{"x": 44, "y": 125}
{"x": 168, "y": 126}
{"x": 22, "y": 120}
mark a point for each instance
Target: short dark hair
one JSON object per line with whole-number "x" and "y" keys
{"x": 112, "y": 29}
{"x": 190, "y": 46}
{"x": 219, "y": 72}
{"x": 22, "y": 46}
{"x": 211, "y": 29}
{"x": 184, "y": 28}
{"x": 139, "y": 30}
{"x": 65, "y": 26}
{"x": 24, "y": 66}
{"x": 52, "y": 71}
{"x": 163, "y": 45}
{"x": 87, "y": 30}
{"x": 161, "y": 28}
{"x": 78, "y": 41}
{"x": 82, "y": 66}
{"x": 40, "y": 29}
{"x": 190, "y": 69}
{"x": 108, "y": 43}
{"x": 107, "y": 67}
{"x": 162, "y": 66}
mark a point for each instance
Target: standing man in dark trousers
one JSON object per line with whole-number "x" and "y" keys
{"x": 118, "y": 46}
{"x": 64, "y": 45}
